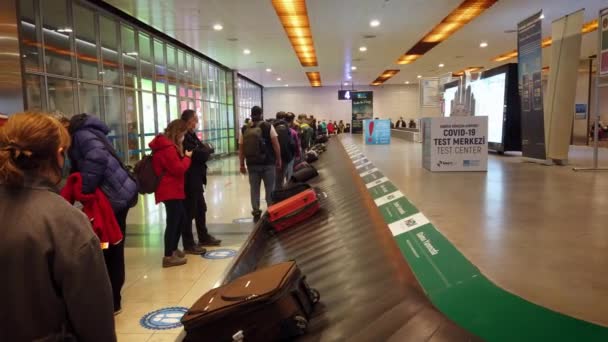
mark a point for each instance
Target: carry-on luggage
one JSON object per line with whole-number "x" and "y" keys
{"x": 311, "y": 157}
{"x": 304, "y": 174}
{"x": 322, "y": 139}
{"x": 293, "y": 210}
{"x": 300, "y": 166}
{"x": 289, "y": 190}
{"x": 270, "y": 304}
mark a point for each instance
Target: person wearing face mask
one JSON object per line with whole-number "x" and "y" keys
{"x": 92, "y": 155}
{"x": 52, "y": 264}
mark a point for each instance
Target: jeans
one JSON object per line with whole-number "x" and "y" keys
{"x": 177, "y": 219}
{"x": 196, "y": 207}
{"x": 114, "y": 257}
{"x": 257, "y": 173}
{"x": 289, "y": 170}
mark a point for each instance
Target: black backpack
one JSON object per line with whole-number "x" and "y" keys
{"x": 286, "y": 140}
{"x": 254, "y": 145}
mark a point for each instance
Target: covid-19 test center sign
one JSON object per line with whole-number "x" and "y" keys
{"x": 455, "y": 143}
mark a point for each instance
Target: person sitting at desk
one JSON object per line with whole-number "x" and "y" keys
{"x": 400, "y": 123}
{"x": 412, "y": 124}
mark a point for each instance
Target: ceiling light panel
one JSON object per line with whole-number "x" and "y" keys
{"x": 314, "y": 78}
{"x": 462, "y": 15}
{"x": 294, "y": 18}
{"x": 385, "y": 76}
{"x": 587, "y": 28}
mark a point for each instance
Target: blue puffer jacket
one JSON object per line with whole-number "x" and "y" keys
{"x": 98, "y": 167}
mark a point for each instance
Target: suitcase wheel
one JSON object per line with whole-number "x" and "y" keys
{"x": 300, "y": 324}
{"x": 315, "y": 296}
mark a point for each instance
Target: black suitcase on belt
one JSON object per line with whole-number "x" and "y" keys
{"x": 304, "y": 174}
{"x": 290, "y": 190}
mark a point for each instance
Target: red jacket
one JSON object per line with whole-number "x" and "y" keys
{"x": 97, "y": 208}
{"x": 171, "y": 166}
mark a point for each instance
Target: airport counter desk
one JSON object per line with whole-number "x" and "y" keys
{"x": 368, "y": 291}
{"x": 409, "y": 134}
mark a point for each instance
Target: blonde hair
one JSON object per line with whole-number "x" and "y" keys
{"x": 174, "y": 131}
{"x": 29, "y": 142}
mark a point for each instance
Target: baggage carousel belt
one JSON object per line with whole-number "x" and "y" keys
{"x": 368, "y": 292}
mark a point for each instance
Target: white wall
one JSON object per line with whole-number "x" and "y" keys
{"x": 390, "y": 101}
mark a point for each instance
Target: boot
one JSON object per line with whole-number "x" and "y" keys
{"x": 209, "y": 240}
{"x": 195, "y": 250}
{"x": 173, "y": 260}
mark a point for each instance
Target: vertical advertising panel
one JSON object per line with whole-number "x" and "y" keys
{"x": 363, "y": 109}
{"x": 604, "y": 42}
{"x": 529, "y": 36}
{"x": 566, "y": 50}
{"x": 377, "y": 132}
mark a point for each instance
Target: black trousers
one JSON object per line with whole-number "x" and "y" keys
{"x": 196, "y": 207}
{"x": 115, "y": 259}
{"x": 176, "y": 221}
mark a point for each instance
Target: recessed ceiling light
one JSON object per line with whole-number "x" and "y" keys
{"x": 353, "y": 68}
{"x": 407, "y": 82}
{"x": 268, "y": 70}
{"x": 345, "y": 83}
{"x": 246, "y": 51}
{"x": 374, "y": 23}
{"x": 483, "y": 44}
{"x": 441, "y": 65}
{"x": 287, "y": 85}
{"x": 542, "y": 16}
{"x": 362, "y": 48}
{"x": 218, "y": 27}
{"x": 349, "y": 77}
{"x": 419, "y": 76}
{"x": 278, "y": 78}
{"x": 185, "y": 71}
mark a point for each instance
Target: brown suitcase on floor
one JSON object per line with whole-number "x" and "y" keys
{"x": 270, "y": 304}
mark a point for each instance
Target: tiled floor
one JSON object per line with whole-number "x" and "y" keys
{"x": 148, "y": 286}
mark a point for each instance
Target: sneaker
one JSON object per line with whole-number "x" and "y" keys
{"x": 173, "y": 260}
{"x": 209, "y": 240}
{"x": 180, "y": 253}
{"x": 256, "y": 218}
{"x": 195, "y": 250}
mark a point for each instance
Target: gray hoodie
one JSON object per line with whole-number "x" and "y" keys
{"x": 53, "y": 277}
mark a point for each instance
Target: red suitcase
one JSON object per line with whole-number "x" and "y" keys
{"x": 293, "y": 210}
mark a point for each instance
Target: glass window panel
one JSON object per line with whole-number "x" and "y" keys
{"x": 229, "y": 88}
{"x": 173, "y": 108}
{"x": 171, "y": 70}
{"x": 181, "y": 65}
{"x": 160, "y": 66}
{"x": 57, "y": 34}
{"x": 222, "y": 85}
{"x": 86, "y": 43}
{"x": 147, "y": 100}
{"x": 145, "y": 60}
{"x": 161, "y": 111}
{"x": 204, "y": 80}
{"x": 196, "y": 78}
{"x": 130, "y": 56}
{"x": 109, "y": 46}
{"x": 34, "y": 96}
{"x": 89, "y": 99}
{"x": 30, "y": 43}
{"x": 132, "y": 112}
{"x": 113, "y": 117}
{"x": 61, "y": 96}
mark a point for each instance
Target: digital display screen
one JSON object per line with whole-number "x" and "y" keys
{"x": 490, "y": 95}
{"x": 345, "y": 95}
{"x": 484, "y": 97}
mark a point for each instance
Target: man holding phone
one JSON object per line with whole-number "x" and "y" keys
{"x": 196, "y": 180}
